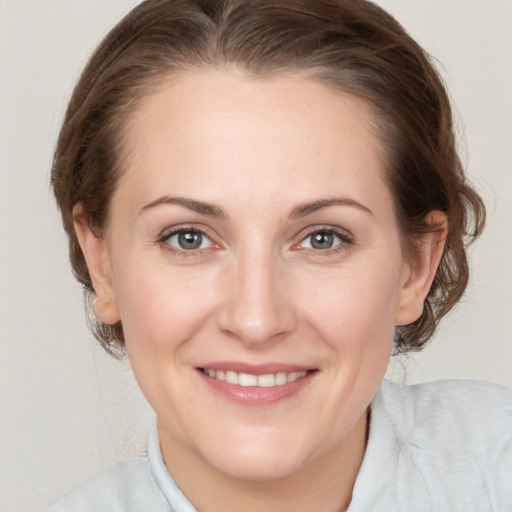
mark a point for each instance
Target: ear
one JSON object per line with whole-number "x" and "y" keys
{"x": 420, "y": 272}
{"x": 96, "y": 256}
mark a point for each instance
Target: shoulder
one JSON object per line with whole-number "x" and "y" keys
{"x": 451, "y": 440}
{"x": 475, "y": 408}
{"x": 128, "y": 486}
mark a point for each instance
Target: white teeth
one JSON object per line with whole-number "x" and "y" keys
{"x": 266, "y": 381}
{"x": 281, "y": 378}
{"x": 247, "y": 379}
{"x": 292, "y": 376}
{"x": 231, "y": 377}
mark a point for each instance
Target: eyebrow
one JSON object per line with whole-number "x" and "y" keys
{"x": 213, "y": 210}
{"x": 307, "y": 208}
{"x": 200, "y": 207}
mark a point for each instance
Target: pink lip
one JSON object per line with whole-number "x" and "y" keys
{"x": 256, "y": 396}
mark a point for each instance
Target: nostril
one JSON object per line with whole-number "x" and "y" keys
{"x": 255, "y": 332}
{"x": 255, "y": 307}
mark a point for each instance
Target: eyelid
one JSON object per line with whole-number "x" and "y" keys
{"x": 344, "y": 235}
{"x": 169, "y": 232}
{"x": 204, "y": 239}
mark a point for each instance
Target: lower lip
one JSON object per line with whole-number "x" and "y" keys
{"x": 257, "y": 395}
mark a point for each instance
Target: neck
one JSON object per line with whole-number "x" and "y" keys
{"x": 325, "y": 483}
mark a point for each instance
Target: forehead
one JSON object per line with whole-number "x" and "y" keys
{"x": 208, "y": 131}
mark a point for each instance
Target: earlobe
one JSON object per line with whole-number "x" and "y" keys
{"x": 95, "y": 253}
{"x": 421, "y": 271}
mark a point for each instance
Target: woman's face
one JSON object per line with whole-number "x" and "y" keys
{"x": 252, "y": 239}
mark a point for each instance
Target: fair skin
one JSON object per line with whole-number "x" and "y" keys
{"x": 252, "y": 232}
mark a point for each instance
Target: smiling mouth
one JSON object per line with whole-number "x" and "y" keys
{"x": 250, "y": 380}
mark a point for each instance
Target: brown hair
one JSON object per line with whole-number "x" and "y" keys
{"x": 351, "y": 44}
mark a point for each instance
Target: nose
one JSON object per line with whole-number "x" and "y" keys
{"x": 257, "y": 308}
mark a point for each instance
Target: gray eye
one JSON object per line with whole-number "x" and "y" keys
{"x": 189, "y": 240}
{"x": 321, "y": 240}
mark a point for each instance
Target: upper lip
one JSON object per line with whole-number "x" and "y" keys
{"x": 256, "y": 369}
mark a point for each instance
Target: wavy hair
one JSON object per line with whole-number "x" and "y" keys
{"x": 353, "y": 45}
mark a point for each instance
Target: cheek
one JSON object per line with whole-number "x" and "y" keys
{"x": 354, "y": 316}
{"x": 355, "y": 307}
{"x": 161, "y": 307}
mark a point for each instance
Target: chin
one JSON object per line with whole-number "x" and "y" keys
{"x": 258, "y": 468}
{"x": 259, "y": 458}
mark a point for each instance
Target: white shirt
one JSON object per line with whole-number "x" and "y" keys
{"x": 441, "y": 446}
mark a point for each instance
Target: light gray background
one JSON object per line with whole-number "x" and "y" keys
{"x": 67, "y": 410}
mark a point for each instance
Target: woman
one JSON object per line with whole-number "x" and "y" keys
{"x": 264, "y": 202}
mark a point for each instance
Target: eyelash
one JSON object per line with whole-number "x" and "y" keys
{"x": 345, "y": 241}
{"x": 163, "y": 240}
